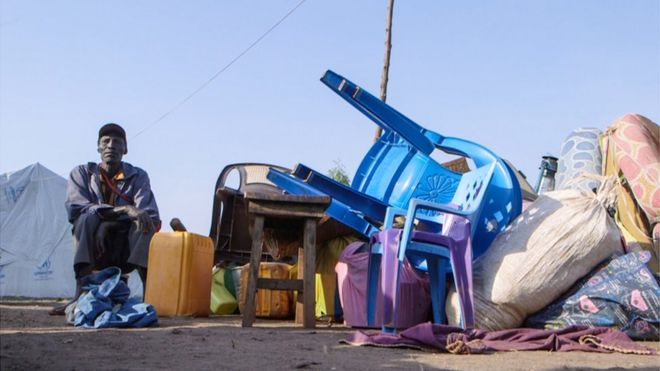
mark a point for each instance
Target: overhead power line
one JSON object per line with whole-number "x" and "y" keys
{"x": 220, "y": 71}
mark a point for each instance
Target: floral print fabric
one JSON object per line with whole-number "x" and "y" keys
{"x": 623, "y": 294}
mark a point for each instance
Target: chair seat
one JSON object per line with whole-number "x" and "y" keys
{"x": 432, "y": 238}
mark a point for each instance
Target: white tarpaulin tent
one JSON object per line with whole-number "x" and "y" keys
{"x": 36, "y": 246}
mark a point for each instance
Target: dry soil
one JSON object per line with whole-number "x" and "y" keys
{"x": 30, "y": 339}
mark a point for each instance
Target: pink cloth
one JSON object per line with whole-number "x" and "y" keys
{"x": 636, "y": 143}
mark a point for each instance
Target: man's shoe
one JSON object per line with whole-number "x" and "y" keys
{"x": 58, "y": 310}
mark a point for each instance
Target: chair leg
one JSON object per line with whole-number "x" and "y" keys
{"x": 390, "y": 269}
{"x": 461, "y": 264}
{"x": 373, "y": 277}
{"x": 437, "y": 279}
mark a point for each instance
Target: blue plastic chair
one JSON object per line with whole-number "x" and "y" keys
{"x": 439, "y": 236}
{"x": 398, "y": 168}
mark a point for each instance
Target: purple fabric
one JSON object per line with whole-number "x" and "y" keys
{"x": 472, "y": 341}
{"x": 352, "y": 270}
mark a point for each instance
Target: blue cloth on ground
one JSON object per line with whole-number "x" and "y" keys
{"x": 106, "y": 303}
{"x": 623, "y": 294}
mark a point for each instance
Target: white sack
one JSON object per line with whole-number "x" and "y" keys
{"x": 560, "y": 238}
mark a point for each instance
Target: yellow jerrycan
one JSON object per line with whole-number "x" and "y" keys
{"x": 179, "y": 274}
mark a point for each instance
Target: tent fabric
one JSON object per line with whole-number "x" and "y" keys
{"x": 36, "y": 245}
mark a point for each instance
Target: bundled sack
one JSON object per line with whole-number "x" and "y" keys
{"x": 560, "y": 238}
{"x": 631, "y": 147}
{"x": 580, "y": 153}
{"x": 623, "y": 294}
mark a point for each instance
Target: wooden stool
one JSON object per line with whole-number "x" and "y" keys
{"x": 307, "y": 209}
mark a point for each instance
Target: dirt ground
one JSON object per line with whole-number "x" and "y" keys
{"x": 30, "y": 339}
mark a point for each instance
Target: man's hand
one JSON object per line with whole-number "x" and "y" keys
{"x": 104, "y": 238}
{"x": 102, "y": 233}
{"x": 140, "y": 217}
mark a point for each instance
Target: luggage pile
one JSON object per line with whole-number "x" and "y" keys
{"x": 471, "y": 245}
{"x": 587, "y": 252}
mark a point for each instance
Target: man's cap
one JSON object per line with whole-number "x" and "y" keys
{"x": 112, "y": 128}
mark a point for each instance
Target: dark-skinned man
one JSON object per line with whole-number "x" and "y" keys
{"x": 113, "y": 211}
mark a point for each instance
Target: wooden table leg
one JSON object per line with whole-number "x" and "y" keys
{"x": 309, "y": 274}
{"x": 299, "y": 298}
{"x": 255, "y": 256}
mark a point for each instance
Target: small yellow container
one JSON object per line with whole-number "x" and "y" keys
{"x": 326, "y": 286}
{"x": 179, "y": 274}
{"x": 222, "y": 301}
{"x": 268, "y": 303}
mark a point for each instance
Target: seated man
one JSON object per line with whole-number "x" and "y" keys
{"x": 113, "y": 211}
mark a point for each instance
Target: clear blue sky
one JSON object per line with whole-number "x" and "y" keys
{"x": 515, "y": 76}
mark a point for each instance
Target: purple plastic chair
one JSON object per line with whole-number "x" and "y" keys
{"x": 436, "y": 238}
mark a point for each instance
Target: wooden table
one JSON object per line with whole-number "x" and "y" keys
{"x": 272, "y": 206}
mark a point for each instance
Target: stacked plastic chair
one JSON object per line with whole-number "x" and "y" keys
{"x": 398, "y": 174}
{"x": 399, "y": 167}
{"x": 438, "y": 239}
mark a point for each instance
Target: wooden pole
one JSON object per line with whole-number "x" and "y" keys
{"x": 386, "y": 63}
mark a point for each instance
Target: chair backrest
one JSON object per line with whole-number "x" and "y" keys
{"x": 394, "y": 172}
{"x": 229, "y": 220}
{"x": 399, "y": 166}
{"x": 469, "y": 198}
{"x": 470, "y": 191}
{"x": 252, "y": 176}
